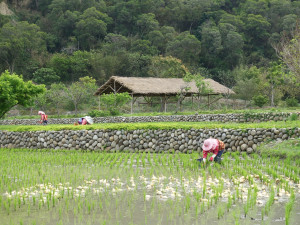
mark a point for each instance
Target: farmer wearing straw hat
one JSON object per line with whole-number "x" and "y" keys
{"x": 214, "y": 146}
{"x": 44, "y": 118}
{"x": 85, "y": 120}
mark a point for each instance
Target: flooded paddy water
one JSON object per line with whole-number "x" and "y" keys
{"x": 74, "y": 187}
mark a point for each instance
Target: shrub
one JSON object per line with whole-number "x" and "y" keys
{"x": 293, "y": 117}
{"x": 114, "y": 112}
{"x": 114, "y": 102}
{"x": 260, "y": 100}
{"x": 98, "y": 113}
{"x": 291, "y": 102}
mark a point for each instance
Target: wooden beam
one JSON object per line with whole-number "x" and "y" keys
{"x": 131, "y": 108}
{"x": 99, "y": 102}
{"x": 133, "y": 99}
{"x": 119, "y": 88}
{"x": 115, "y": 91}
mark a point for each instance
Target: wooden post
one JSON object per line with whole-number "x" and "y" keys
{"x": 165, "y": 102}
{"x": 99, "y": 103}
{"x": 131, "y": 110}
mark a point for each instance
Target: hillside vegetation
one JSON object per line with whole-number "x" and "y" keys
{"x": 240, "y": 44}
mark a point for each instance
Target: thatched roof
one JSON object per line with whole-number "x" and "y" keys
{"x": 149, "y": 86}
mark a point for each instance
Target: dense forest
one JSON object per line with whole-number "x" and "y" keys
{"x": 231, "y": 41}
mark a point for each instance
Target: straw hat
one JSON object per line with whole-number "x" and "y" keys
{"x": 41, "y": 112}
{"x": 208, "y": 144}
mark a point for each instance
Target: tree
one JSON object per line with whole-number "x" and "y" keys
{"x": 45, "y": 76}
{"x": 61, "y": 64}
{"x": 143, "y": 47}
{"x": 202, "y": 87}
{"x": 232, "y": 43}
{"x": 274, "y": 78}
{"x": 40, "y": 102}
{"x": 161, "y": 37}
{"x": 115, "y": 43}
{"x": 57, "y": 96}
{"x": 113, "y": 102}
{"x": 147, "y": 23}
{"x": 199, "y": 81}
{"x": 167, "y": 67}
{"x": 288, "y": 50}
{"x": 3, "y": 20}
{"x": 19, "y": 42}
{"x": 66, "y": 24}
{"x": 81, "y": 91}
{"x": 185, "y": 47}
{"x": 15, "y": 91}
{"x": 133, "y": 64}
{"x": 211, "y": 43}
{"x": 91, "y": 28}
{"x": 247, "y": 82}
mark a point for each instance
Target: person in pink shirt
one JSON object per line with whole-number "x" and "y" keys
{"x": 214, "y": 146}
{"x": 82, "y": 121}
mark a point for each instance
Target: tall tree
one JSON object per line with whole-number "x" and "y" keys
{"x": 185, "y": 47}
{"x": 167, "y": 67}
{"x": 45, "y": 76}
{"x": 20, "y": 42}
{"x": 274, "y": 79}
{"x": 14, "y": 91}
{"x": 146, "y": 23}
{"x": 288, "y": 50}
{"x": 56, "y": 96}
{"x": 81, "y": 91}
{"x": 91, "y": 28}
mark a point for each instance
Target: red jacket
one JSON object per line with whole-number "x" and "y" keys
{"x": 214, "y": 149}
{"x": 44, "y": 117}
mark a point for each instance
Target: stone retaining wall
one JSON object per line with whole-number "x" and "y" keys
{"x": 180, "y": 140}
{"x": 257, "y": 117}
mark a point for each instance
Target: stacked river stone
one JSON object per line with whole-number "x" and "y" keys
{"x": 238, "y": 118}
{"x": 174, "y": 140}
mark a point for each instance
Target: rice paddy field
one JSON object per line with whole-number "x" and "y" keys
{"x": 76, "y": 187}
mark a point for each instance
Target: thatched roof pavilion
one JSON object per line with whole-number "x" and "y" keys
{"x": 160, "y": 87}
{"x": 149, "y": 86}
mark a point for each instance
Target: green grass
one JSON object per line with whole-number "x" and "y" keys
{"x": 222, "y": 111}
{"x": 154, "y": 125}
{"x": 285, "y": 149}
{"x": 38, "y": 117}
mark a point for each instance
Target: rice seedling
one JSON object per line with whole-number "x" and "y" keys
{"x": 288, "y": 208}
{"x": 89, "y": 183}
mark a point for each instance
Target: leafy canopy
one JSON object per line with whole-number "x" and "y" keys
{"x": 113, "y": 102}
{"x": 14, "y": 91}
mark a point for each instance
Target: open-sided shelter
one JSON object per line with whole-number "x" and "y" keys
{"x": 159, "y": 87}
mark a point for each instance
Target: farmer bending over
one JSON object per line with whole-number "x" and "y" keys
{"x": 214, "y": 146}
{"x": 44, "y": 118}
{"x": 84, "y": 121}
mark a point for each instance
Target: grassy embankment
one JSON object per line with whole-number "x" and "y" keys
{"x": 223, "y": 111}
{"x": 154, "y": 125}
{"x": 287, "y": 149}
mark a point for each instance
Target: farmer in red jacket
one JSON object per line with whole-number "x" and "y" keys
{"x": 44, "y": 118}
{"x": 214, "y": 146}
